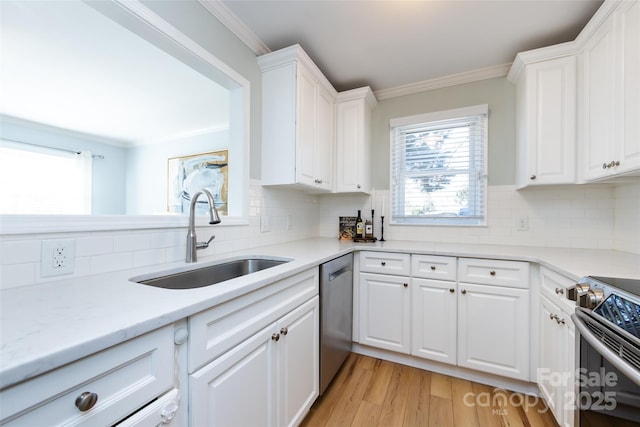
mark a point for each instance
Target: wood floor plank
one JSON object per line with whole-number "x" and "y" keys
{"x": 464, "y": 413}
{"x": 395, "y": 401}
{"x": 381, "y": 377}
{"x": 368, "y": 415}
{"x": 323, "y": 407}
{"x": 417, "y": 410}
{"x": 440, "y": 412}
{"x": 482, "y": 401}
{"x": 411, "y": 397}
{"x": 351, "y": 395}
{"x": 441, "y": 386}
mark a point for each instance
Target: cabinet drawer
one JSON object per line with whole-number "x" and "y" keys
{"x": 163, "y": 412}
{"x": 554, "y": 286}
{"x": 385, "y": 263}
{"x": 433, "y": 267}
{"x": 216, "y": 330}
{"x": 125, "y": 378}
{"x": 514, "y": 274}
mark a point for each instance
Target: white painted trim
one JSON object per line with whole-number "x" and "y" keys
{"x": 236, "y": 26}
{"x": 446, "y": 81}
{"x": 541, "y": 54}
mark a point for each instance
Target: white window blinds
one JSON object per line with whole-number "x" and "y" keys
{"x": 438, "y": 167}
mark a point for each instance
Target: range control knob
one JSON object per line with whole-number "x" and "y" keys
{"x": 591, "y": 298}
{"x": 575, "y": 292}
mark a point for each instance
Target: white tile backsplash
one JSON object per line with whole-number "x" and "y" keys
{"x": 585, "y": 216}
{"x": 104, "y": 251}
{"x": 565, "y": 216}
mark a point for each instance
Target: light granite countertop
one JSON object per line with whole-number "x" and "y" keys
{"x": 48, "y": 325}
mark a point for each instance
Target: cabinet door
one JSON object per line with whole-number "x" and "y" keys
{"x": 599, "y": 102}
{"x": 550, "y": 141}
{"x": 551, "y": 358}
{"x": 384, "y": 311}
{"x": 305, "y": 127}
{"x": 570, "y": 392}
{"x": 629, "y": 98}
{"x": 325, "y": 141}
{"x": 238, "y": 388}
{"x": 298, "y": 362}
{"x": 433, "y": 320}
{"x": 350, "y": 159}
{"x": 493, "y": 330}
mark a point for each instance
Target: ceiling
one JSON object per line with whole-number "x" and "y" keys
{"x": 393, "y": 43}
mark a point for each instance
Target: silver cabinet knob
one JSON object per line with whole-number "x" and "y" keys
{"x": 383, "y": 263}
{"x": 86, "y": 401}
{"x": 605, "y": 165}
{"x": 358, "y": 186}
{"x": 532, "y": 177}
{"x": 553, "y": 316}
{"x": 433, "y": 267}
{"x": 275, "y": 337}
{"x": 559, "y": 291}
{"x": 284, "y": 331}
{"x": 492, "y": 272}
{"x": 452, "y": 290}
{"x": 560, "y": 321}
{"x": 463, "y": 292}
{"x": 406, "y": 285}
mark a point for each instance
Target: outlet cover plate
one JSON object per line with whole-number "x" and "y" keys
{"x": 58, "y": 257}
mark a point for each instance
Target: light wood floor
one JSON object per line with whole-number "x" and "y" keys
{"x": 372, "y": 392}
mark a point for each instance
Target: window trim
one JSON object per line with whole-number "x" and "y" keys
{"x": 476, "y": 110}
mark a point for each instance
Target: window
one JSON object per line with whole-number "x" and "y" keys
{"x": 36, "y": 180}
{"x": 438, "y": 168}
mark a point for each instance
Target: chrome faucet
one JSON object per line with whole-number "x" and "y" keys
{"x": 192, "y": 242}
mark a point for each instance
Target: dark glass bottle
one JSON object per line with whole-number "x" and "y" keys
{"x": 359, "y": 226}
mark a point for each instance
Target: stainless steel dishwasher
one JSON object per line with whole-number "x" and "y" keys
{"x": 336, "y": 316}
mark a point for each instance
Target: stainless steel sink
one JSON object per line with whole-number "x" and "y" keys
{"x": 212, "y": 274}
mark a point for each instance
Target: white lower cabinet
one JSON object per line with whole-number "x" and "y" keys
{"x": 556, "y": 373}
{"x": 385, "y": 311}
{"x": 268, "y": 379}
{"x": 434, "y": 320}
{"x": 493, "y": 329}
{"x": 100, "y": 389}
{"x": 483, "y": 325}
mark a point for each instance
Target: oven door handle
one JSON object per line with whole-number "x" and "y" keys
{"x": 625, "y": 368}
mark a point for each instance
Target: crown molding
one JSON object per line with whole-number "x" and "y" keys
{"x": 360, "y": 93}
{"x": 446, "y": 81}
{"x": 235, "y": 25}
{"x": 542, "y": 54}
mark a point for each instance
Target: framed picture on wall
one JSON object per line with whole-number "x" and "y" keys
{"x": 189, "y": 174}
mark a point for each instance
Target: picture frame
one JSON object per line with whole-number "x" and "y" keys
{"x": 189, "y": 174}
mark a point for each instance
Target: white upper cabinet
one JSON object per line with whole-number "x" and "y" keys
{"x": 611, "y": 96}
{"x": 298, "y": 125}
{"x": 353, "y": 140}
{"x": 546, "y": 122}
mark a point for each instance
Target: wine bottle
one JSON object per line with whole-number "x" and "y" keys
{"x": 359, "y": 227}
{"x": 368, "y": 229}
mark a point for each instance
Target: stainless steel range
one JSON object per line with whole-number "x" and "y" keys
{"x": 608, "y": 321}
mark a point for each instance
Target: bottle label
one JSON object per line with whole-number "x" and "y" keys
{"x": 369, "y": 230}
{"x": 359, "y": 230}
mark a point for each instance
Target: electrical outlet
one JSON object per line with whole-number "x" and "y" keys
{"x": 522, "y": 223}
{"x": 288, "y": 221}
{"x": 265, "y": 224}
{"x": 58, "y": 257}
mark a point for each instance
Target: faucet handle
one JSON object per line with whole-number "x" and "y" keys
{"x": 204, "y": 245}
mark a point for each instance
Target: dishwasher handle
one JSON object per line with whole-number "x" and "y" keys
{"x": 337, "y": 273}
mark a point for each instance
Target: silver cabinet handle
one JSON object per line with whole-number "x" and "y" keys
{"x": 560, "y": 321}
{"x": 553, "y": 317}
{"x": 559, "y": 291}
{"x": 284, "y": 331}
{"x": 275, "y": 337}
{"x": 358, "y": 186}
{"x": 604, "y": 166}
{"x": 86, "y": 401}
{"x": 532, "y": 177}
